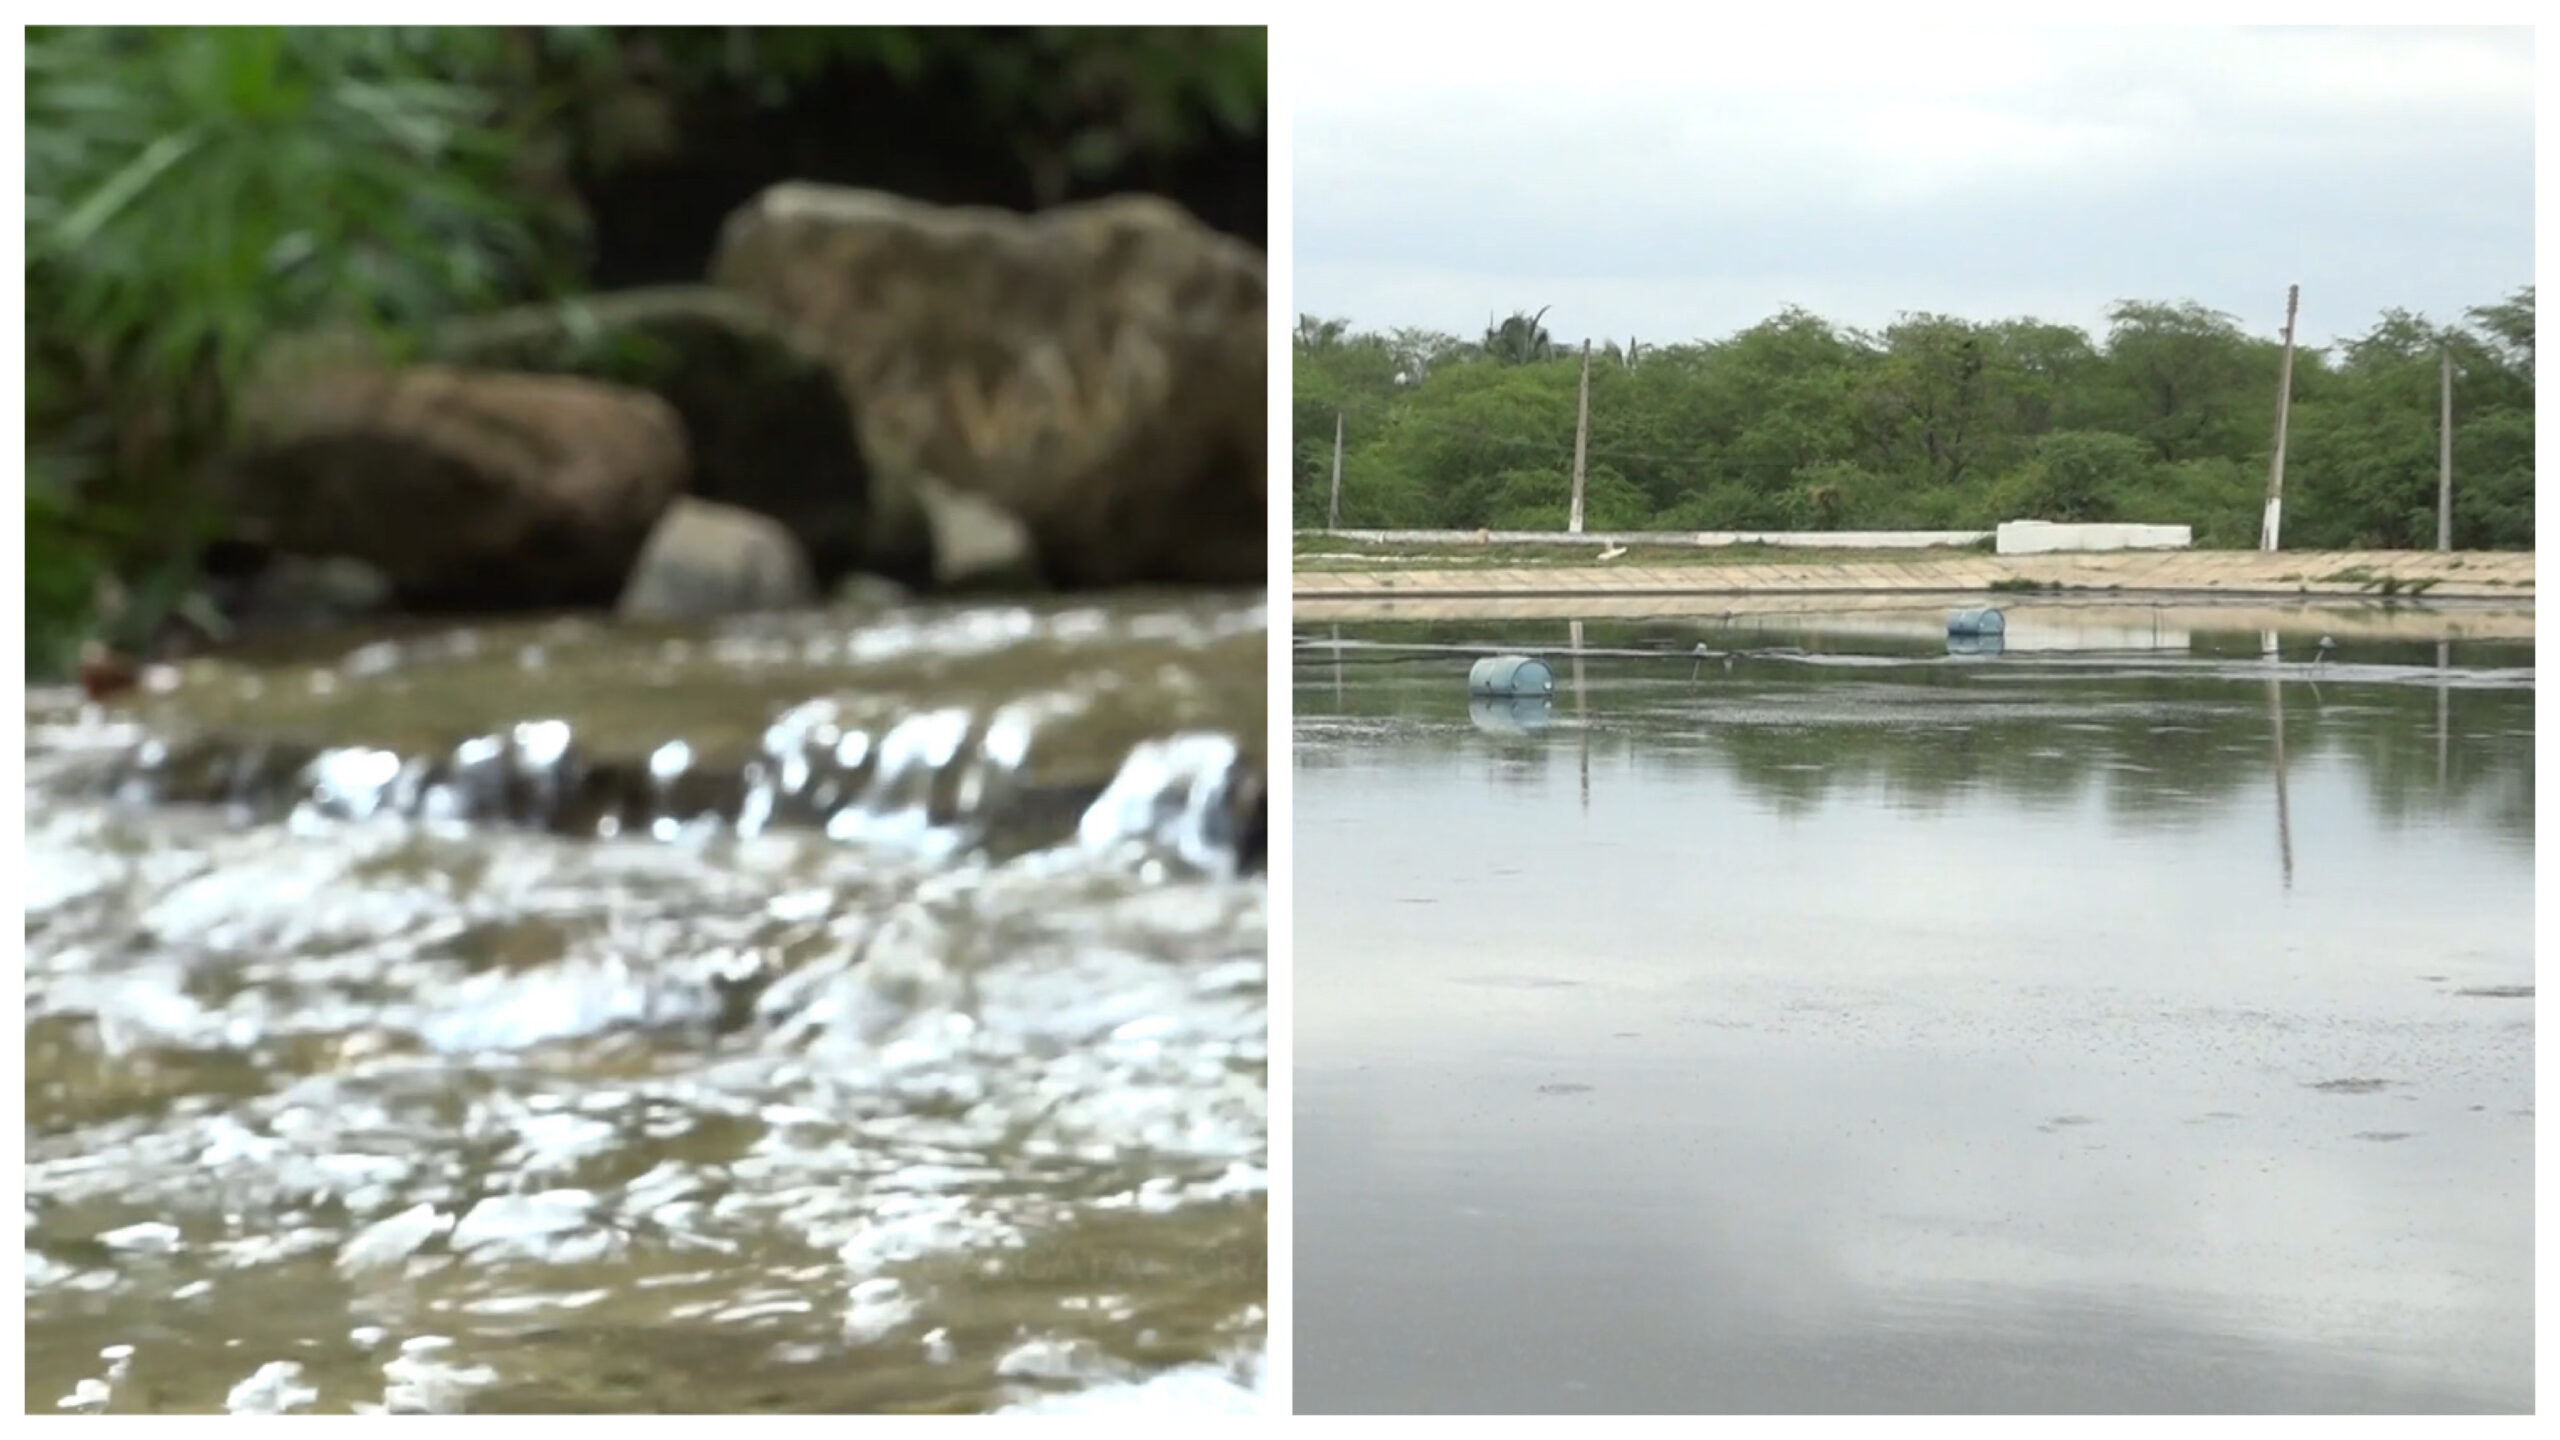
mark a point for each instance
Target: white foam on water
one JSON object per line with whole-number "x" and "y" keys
{"x": 1190, "y": 1390}
{"x": 275, "y": 1389}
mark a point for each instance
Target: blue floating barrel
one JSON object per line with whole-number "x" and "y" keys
{"x": 1985, "y": 621}
{"x": 1510, "y": 676}
{"x": 1973, "y": 644}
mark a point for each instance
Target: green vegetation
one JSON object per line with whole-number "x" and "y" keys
{"x": 195, "y": 193}
{"x": 191, "y": 193}
{"x": 1934, "y": 423}
{"x": 1316, "y": 551}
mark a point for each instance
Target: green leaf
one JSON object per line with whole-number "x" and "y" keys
{"x": 121, "y": 189}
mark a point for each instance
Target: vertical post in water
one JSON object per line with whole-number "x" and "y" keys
{"x": 2444, "y": 459}
{"x": 1581, "y": 441}
{"x": 1333, "y": 510}
{"x": 2284, "y": 811}
{"x": 2444, "y": 710}
{"x": 2284, "y": 407}
{"x": 1581, "y": 717}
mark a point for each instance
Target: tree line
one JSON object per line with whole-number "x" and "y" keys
{"x": 1934, "y": 422}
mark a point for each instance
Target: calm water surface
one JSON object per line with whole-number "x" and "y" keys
{"x": 1828, "y": 1023}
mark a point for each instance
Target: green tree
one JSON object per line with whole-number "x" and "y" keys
{"x": 1317, "y": 336}
{"x": 2181, "y": 377}
{"x": 1927, "y": 399}
{"x": 2081, "y": 475}
{"x": 2493, "y": 426}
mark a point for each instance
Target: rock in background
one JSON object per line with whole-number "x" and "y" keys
{"x": 707, "y": 559}
{"x": 482, "y": 491}
{"x": 766, "y": 424}
{"x": 976, "y": 543}
{"x": 1098, "y": 370}
{"x": 957, "y": 399}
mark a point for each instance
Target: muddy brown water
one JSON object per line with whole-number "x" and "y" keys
{"x": 1790, "y": 1015}
{"x": 821, "y": 1013}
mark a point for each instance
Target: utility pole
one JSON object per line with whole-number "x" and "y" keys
{"x": 2444, "y": 459}
{"x": 2284, "y": 406}
{"x": 1333, "y": 511}
{"x": 1581, "y": 441}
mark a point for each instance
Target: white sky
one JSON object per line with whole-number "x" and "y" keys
{"x": 1684, "y": 182}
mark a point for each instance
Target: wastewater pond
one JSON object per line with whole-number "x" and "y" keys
{"x": 1805, "y": 1014}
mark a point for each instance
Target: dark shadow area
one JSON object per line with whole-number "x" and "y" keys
{"x": 656, "y": 222}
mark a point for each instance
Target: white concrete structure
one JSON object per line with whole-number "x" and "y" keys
{"x": 2044, "y": 537}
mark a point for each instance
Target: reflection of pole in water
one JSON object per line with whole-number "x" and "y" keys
{"x": 1337, "y": 669}
{"x": 2284, "y": 812}
{"x": 2444, "y": 709}
{"x": 1581, "y": 717}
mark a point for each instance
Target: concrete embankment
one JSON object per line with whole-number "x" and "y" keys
{"x": 2500, "y": 581}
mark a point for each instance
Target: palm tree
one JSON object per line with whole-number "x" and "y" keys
{"x": 1521, "y": 339}
{"x": 1316, "y": 336}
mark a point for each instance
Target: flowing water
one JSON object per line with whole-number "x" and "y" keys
{"x": 824, "y": 1013}
{"x": 1790, "y": 1014}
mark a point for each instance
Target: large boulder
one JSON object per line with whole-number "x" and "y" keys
{"x": 707, "y": 559}
{"x": 477, "y": 490}
{"x": 1097, "y": 370}
{"x": 767, "y": 424}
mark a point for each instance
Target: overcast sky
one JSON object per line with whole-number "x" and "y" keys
{"x": 1677, "y": 186}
